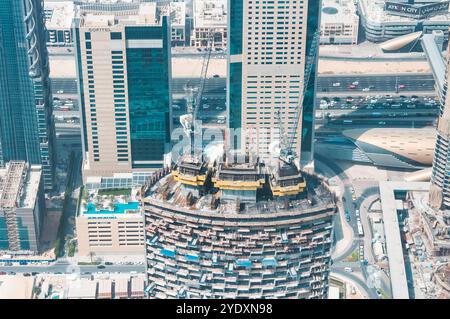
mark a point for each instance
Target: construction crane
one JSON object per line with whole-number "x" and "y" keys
{"x": 194, "y": 96}
{"x": 287, "y": 153}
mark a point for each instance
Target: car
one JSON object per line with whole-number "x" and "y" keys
{"x": 2, "y": 273}
{"x": 216, "y": 76}
{"x": 382, "y": 123}
{"x": 336, "y": 84}
{"x": 401, "y": 86}
{"x": 26, "y": 274}
{"x": 348, "y": 269}
{"x": 176, "y": 107}
{"x": 351, "y": 86}
{"x": 355, "y": 83}
{"x": 34, "y": 273}
{"x": 206, "y": 106}
{"x": 60, "y": 92}
{"x": 366, "y": 89}
{"x": 108, "y": 263}
{"x": 220, "y": 122}
{"x": 101, "y": 267}
{"x": 218, "y": 108}
{"x": 347, "y": 218}
{"x": 378, "y": 293}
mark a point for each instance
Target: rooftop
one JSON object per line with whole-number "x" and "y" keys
{"x": 59, "y": 14}
{"x": 210, "y": 13}
{"x": 374, "y": 10}
{"x": 338, "y": 11}
{"x": 178, "y": 14}
{"x": 247, "y": 182}
{"x": 142, "y": 14}
{"x": 109, "y": 203}
{"x": 392, "y": 231}
{"x": 19, "y": 185}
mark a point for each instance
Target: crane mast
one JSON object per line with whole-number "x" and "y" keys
{"x": 287, "y": 153}
{"x": 194, "y": 96}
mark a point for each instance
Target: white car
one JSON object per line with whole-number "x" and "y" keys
{"x": 336, "y": 84}
{"x": 366, "y": 89}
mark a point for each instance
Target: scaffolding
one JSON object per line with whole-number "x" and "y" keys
{"x": 9, "y": 196}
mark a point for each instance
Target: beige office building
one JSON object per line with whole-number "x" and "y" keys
{"x": 339, "y": 22}
{"x": 209, "y": 15}
{"x": 124, "y": 74}
{"x": 268, "y": 47}
{"x": 110, "y": 233}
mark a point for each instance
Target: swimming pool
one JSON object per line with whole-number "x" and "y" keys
{"x": 119, "y": 208}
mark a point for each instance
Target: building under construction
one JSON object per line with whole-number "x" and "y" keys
{"x": 236, "y": 228}
{"x": 22, "y": 207}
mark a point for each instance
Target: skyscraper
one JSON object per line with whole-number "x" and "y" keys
{"x": 268, "y": 45}
{"x": 123, "y": 54}
{"x": 26, "y": 121}
{"x": 440, "y": 178}
{"x": 237, "y": 229}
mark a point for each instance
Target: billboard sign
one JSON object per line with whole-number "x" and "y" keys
{"x": 416, "y": 11}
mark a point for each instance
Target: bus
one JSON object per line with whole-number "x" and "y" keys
{"x": 360, "y": 229}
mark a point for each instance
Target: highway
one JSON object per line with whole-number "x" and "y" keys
{"x": 376, "y": 83}
{"x": 68, "y": 268}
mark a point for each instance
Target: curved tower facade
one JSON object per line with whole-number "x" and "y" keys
{"x": 440, "y": 178}
{"x": 237, "y": 231}
{"x": 26, "y": 125}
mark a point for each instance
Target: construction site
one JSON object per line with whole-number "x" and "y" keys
{"x": 22, "y": 207}
{"x": 235, "y": 228}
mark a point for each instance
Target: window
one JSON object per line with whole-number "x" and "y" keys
{"x": 116, "y": 35}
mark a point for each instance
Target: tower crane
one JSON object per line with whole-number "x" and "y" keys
{"x": 287, "y": 153}
{"x": 194, "y": 96}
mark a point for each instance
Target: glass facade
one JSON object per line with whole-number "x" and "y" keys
{"x": 4, "y": 243}
{"x": 148, "y": 74}
{"x": 236, "y": 9}
{"x": 26, "y": 124}
{"x": 307, "y": 150}
{"x": 234, "y": 87}
{"x": 235, "y": 96}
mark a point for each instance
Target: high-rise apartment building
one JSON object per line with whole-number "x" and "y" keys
{"x": 123, "y": 55}
{"x": 440, "y": 178}
{"x": 26, "y": 121}
{"x": 237, "y": 230}
{"x": 22, "y": 206}
{"x": 268, "y": 45}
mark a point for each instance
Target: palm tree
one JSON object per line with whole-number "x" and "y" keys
{"x": 92, "y": 255}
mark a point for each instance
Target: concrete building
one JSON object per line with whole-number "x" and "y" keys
{"x": 22, "y": 207}
{"x": 110, "y": 226}
{"x": 26, "y": 121}
{"x": 384, "y": 20}
{"x": 339, "y": 22}
{"x": 237, "y": 230}
{"x": 124, "y": 71}
{"x": 58, "y": 21}
{"x": 180, "y": 32}
{"x": 440, "y": 179}
{"x": 209, "y": 15}
{"x": 402, "y": 148}
{"x": 266, "y": 72}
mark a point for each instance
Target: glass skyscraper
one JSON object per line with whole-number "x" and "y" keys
{"x": 269, "y": 42}
{"x": 26, "y": 121}
{"x": 124, "y": 70}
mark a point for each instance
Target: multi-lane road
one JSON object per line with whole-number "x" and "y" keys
{"x": 376, "y": 83}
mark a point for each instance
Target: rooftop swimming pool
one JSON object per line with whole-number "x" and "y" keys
{"x": 119, "y": 208}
